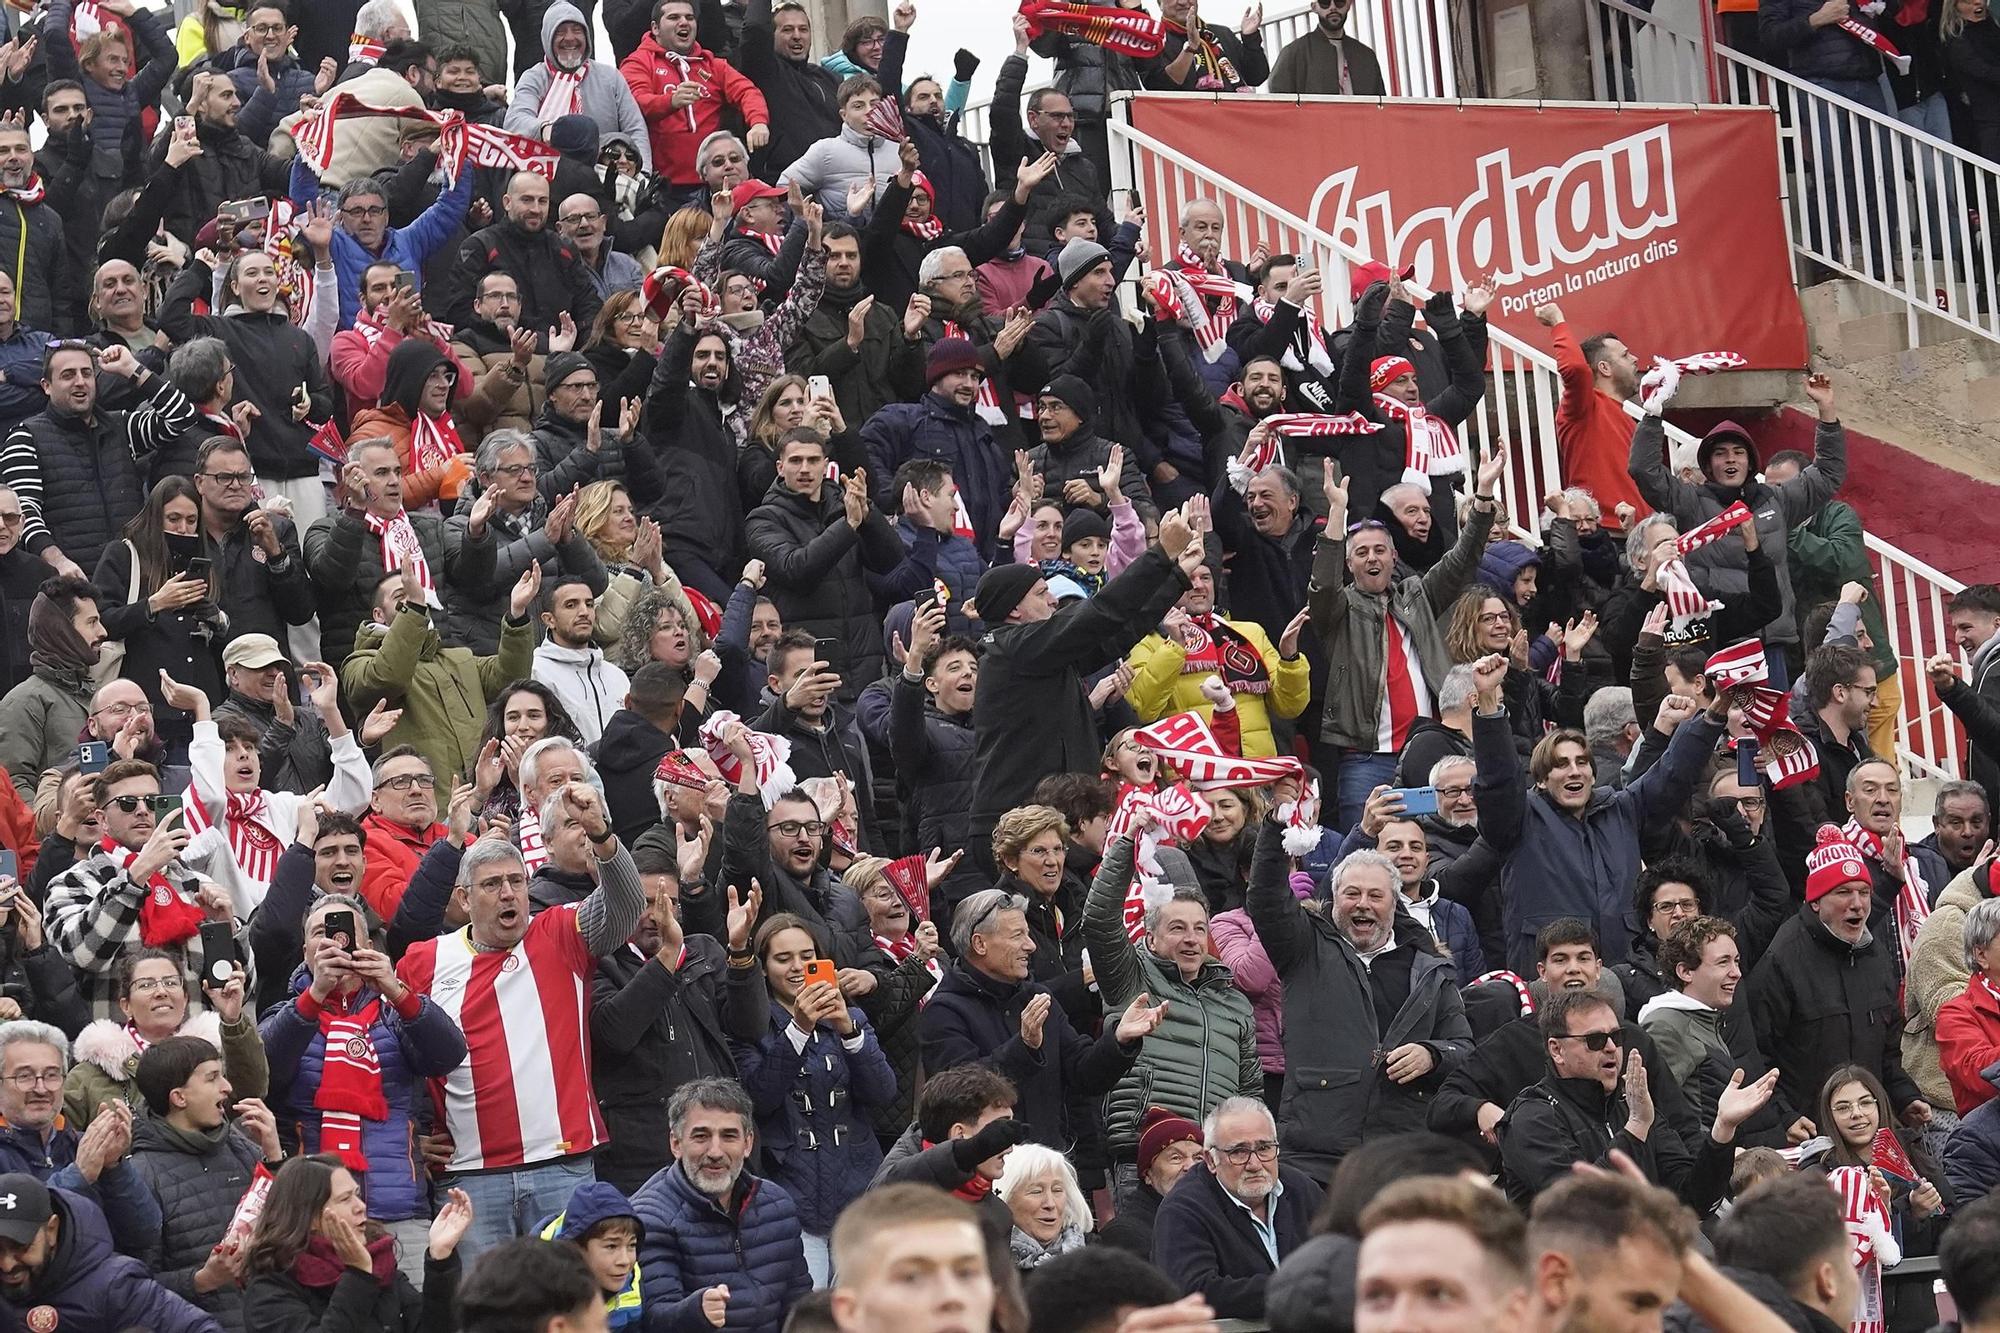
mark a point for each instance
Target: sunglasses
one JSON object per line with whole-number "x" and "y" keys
{"x": 1593, "y": 1041}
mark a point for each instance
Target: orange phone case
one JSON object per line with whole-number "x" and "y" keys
{"x": 822, "y": 969}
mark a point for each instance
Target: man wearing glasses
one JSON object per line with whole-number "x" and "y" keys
{"x": 1223, "y": 1230}
{"x": 580, "y": 219}
{"x": 1326, "y": 61}
{"x": 362, "y": 236}
{"x": 1596, "y": 1098}
{"x": 265, "y": 587}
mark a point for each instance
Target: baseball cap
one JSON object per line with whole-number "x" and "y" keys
{"x": 753, "y": 189}
{"x": 25, "y": 1207}
{"x": 254, "y": 651}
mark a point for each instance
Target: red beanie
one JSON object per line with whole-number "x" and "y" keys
{"x": 1832, "y": 863}
{"x": 1387, "y": 370}
{"x": 1159, "y": 1128}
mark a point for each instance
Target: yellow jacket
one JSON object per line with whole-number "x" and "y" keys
{"x": 1160, "y": 687}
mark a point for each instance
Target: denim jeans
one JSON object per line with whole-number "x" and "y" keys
{"x": 1941, "y": 210}
{"x": 508, "y": 1204}
{"x": 1360, "y": 773}
{"x": 819, "y": 1260}
{"x": 1849, "y": 171}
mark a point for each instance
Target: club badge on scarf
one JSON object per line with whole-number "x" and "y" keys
{"x": 772, "y": 755}
{"x": 1178, "y": 814}
{"x": 350, "y": 1089}
{"x": 246, "y": 821}
{"x": 1186, "y": 742}
{"x": 885, "y": 121}
{"x": 1130, "y": 32}
{"x": 1739, "y": 664}
{"x": 1788, "y": 758}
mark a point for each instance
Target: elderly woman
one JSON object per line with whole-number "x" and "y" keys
{"x": 1030, "y": 845}
{"x": 1968, "y": 1027}
{"x": 1051, "y": 1215}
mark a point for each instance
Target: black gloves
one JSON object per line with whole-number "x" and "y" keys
{"x": 963, "y": 64}
{"x": 991, "y": 1141}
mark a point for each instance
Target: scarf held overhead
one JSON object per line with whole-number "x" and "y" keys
{"x": 1129, "y": 32}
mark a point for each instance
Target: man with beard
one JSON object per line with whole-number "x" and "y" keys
{"x": 364, "y": 237}
{"x": 32, "y": 230}
{"x": 566, "y": 81}
{"x": 75, "y": 467}
{"x": 952, "y": 165}
{"x": 871, "y": 355}
{"x": 1825, "y": 994}
{"x": 1593, "y": 1084}
{"x": 493, "y": 343}
{"x": 1593, "y": 429}
{"x": 1729, "y": 466}
{"x": 694, "y": 389}
{"x": 548, "y": 274}
{"x": 1281, "y": 323}
{"x": 229, "y": 166}
{"x": 664, "y": 1010}
{"x": 1225, "y": 1228}
{"x": 1081, "y": 336}
{"x": 94, "y": 139}
{"x": 589, "y": 686}
{"x": 571, "y": 447}
{"x": 1201, "y": 58}
{"x": 682, "y": 92}
{"x": 1326, "y": 61}
{"x": 948, "y": 424}
{"x": 1194, "y": 645}
{"x": 722, "y": 1246}
{"x": 905, "y": 227}
{"x": 56, "y": 1255}
{"x": 265, "y": 586}
{"x": 776, "y": 54}
{"x": 294, "y": 752}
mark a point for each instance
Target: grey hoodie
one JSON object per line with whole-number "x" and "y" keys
{"x": 604, "y": 96}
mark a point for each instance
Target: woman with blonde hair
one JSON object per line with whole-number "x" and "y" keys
{"x": 681, "y": 238}
{"x": 1481, "y": 621}
{"x": 629, "y": 546}
{"x": 623, "y": 346}
{"x": 1031, "y": 846}
{"x": 1051, "y": 1215}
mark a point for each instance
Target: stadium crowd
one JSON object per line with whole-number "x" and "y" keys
{"x": 642, "y": 691}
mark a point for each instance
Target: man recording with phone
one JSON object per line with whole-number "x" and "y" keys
{"x": 133, "y": 889}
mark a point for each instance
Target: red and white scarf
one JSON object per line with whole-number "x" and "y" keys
{"x": 771, "y": 754}
{"x": 670, "y": 69}
{"x": 350, "y": 1085}
{"x": 1714, "y": 530}
{"x": 1787, "y": 756}
{"x": 1129, "y": 32}
{"x": 1317, "y": 357}
{"x": 528, "y": 837}
{"x": 166, "y": 915}
{"x": 1685, "y": 602}
{"x": 1186, "y": 742}
{"x": 246, "y": 818}
{"x": 370, "y": 326}
{"x": 564, "y": 94}
{"x": 434, "y": 440}
{"x": 1178, "y": 814}
{"x": 1913, "y": 899}
{"x": 364, "y": 50}
{"x": 1873, "y": 1239}
{"x": 1867, "y": 36}
{"x": 458, "y": 142}
{"x": 1432, "y": 448}
{"x": 30, "y": 194}
{"x": 1220, "y": 294}
{"x": 400, "y": 547}
{"x": 1665, "y": 376}
{"x": 1739, "y": 664}
{"x": 661, "y": 291}
{"x": 929, "y": 229}
{"x": 885, "y": 121}
{"x": 1213, "y": 70}
{"x": 770, "y": 240}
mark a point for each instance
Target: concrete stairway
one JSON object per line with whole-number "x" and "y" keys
{"x": 1939, "y": 399}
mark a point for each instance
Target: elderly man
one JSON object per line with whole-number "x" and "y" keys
{"x": 528, "y": 529}
{"x": 1225, "y": 1228}
{"x": 1959, "y": 826}
{"x": 520, "y": 1116}
{"x": 400, "y": 826}
{"x": 722, "y": 1247}
{"x": 1875, "y": 827}
{"x": 1612, "y": 728}
{"x": 1375, "y": 1023}
{"x": 1594, "y": 1084}
{"x": 563, "y": 79}
{"x": 546, "y": 767}
{"x": 118, "y": 307}
{"x": 549, "y": 274}
{"x": 1205, "y": 1053}
{"x": 1825, "y": 994}
{"x": 295, "y": 753}
{"x": 1382, "y": 639}
{"x": 580, "y": 219}
{"x": 1266, "y": 532}
{"x": 986, "y": 1009}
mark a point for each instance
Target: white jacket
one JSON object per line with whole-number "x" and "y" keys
{"x": 209, "y": 851}
{"x": 827, "y": 168}
{"x": 589, "y": 687}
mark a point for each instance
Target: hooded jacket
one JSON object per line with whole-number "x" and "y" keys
{"x": 676, "y": 132}
{"x": 394, "y": 418}
{"x": 87, "y": 1287}
{"x": 814, "y": 562}
{"x": 198, "y": 1178}
{"x": 1162, "y": 684}
{"x": 588, "y": 684}
{"x": 604, "y": 96}
{"x": 1722, "y": 566}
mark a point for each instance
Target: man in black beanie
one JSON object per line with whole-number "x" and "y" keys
{"x": 1072, "y": 455}
{"x": 1081, "y": 335}
{"x": 1032, "y": 717}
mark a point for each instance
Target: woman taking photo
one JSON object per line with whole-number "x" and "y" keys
{"x": 815, "y": 1078}
{"x": 152, "y": 994}
{"x": 623, "y": 346}
{"x": 162, "y": 606}
{"x": 315, "y": 1262}
{"x": 787, "y": 404}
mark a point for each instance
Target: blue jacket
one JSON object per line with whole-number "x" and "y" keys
{"x": 119, "y": 1190}
{"x": 1972, "y": 1154}
{"x": 932, "y": 427}
{"x": 812, "y": 1112}
{"x": 408, "y": 247}
{"x": 692, "y": 1245}
{"x": 411, "y": 1051}
{"x": 930, "y": 555}
{"x": 91, "y": 1289}
{"x": 263, "y": 110}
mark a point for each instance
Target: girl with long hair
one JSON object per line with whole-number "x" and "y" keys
{"x": 525, "y": 711}
{"x": 161, "y": 605}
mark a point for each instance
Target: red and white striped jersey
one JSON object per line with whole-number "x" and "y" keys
{"x": 522, "y": 1095}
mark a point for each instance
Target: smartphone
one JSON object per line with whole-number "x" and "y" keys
{"x": 819, "y": 386}
{"x": 1417, "y": 800}
{"x": 823, "y": 651}
{"x": 822, "y": 969}
{"x": 240, "y": 211}
{"x": 198, "y": 568}
{"x": 183, "y": 125}
{"x": 10, "y": 867}
{"x": 220, "y": 959}
{"x": 1746, "y": 762}
{"x": 339, "y": 924}
{"x": 162, "y": 804}
{"x": 406, "y": 280}
{"x": 1305, "y": 265}
{"x": 92, "y": 756}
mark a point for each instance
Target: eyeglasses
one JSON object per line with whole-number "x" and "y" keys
{"x": 960, "y": 276}
{"x": 365, "y": 211}
{"x": 1056, "y": 115}
{"x": 791, "y": 828}
{"x": 11, "y": 518}
{"x": 1367, "y": 524}
{"x": 404, "y": 781}
{"x": 1264, "y": 1150}
{"x": 124, "y": 710}
{"x": 583, "y": 217}
{"x": 1453, "y": 793}
{"x": 24, "y": 1079}
{"x": 267, "y": 29}
{"x": 230, "y": 479}
{"x": 512, "y": 469}
{"x": 1595, "y": 1041}
{"x": 634, "y": 316}
{"x": 1675, "y": 906}
{"x": 1870, "y": 690}
{"x": 1494, "y": 618}
{"x": 151, "y": 985}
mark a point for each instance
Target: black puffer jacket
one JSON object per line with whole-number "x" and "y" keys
{"x": 1086, "y": 72}
{"x": 626, "y": 755}
{"x": 31, "y": 236}
{"x": 230, "y": 167}
{"x": 551, "y": 275}
{"x": 81, "y": 474}
{"x": 198, "y": 1179}
{"x": 815, "y": 565}
{"x": 701, "y": 512}
{"x": 655, "y": 1030}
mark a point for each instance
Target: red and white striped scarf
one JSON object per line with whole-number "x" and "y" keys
{"x": 885, "y": 121}
{"x": 1714, "y": 530}
{"x": 400, "y": 547}
{"x": 31, "y": 193}
{"x": 672, "y": 68}
{"x": 1867, "y": 36}
{"x": 1317, "y": 357}
{"x": 1869, "y": 1230}
{"x": 1220, "y": 294}
{"x": 1178, "y": 814}
{"x": 528, "y": 837}
{"x": 564, "y": 94}
{"x": 86, "y": 20}
{"x": 1432, "y": 448}
{"x": 1685, "y": 602}
{"x": 1913, "y": 899}
{"x": 246, "y": 817}
{"x": 771, "y": 755}
{"x": 364, "y": 50}
{"x": 434, "y": 440}
{"x": 1666, "y": 373}
{"x": 929, "y": 229}
{"x": 370, "y": 326}
{"x": 458, "y": 142}
{"x": 350, "y": 1086}
{"x": 1186, "y": 742}
{"x": 770, "y": 240}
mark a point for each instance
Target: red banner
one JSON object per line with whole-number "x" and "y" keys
{"x": 1662, "y": 224}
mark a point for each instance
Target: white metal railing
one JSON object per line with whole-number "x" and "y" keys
{"x": 1518, "y": 414}
{"x": 1865, "y": 194}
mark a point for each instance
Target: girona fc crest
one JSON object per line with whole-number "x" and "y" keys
{"x": 42, "y": 1319}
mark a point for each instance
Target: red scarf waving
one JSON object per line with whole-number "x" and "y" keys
{"x": 166, "y": 917}
{"x": 350, "y": 1085}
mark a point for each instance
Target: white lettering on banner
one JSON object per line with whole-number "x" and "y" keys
{"x": 1518, "y": 225}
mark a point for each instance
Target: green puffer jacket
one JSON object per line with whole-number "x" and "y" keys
{"x": 1205, "y": 1051}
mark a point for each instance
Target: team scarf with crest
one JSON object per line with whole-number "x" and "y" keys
{"x": 350, "y": 1085}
